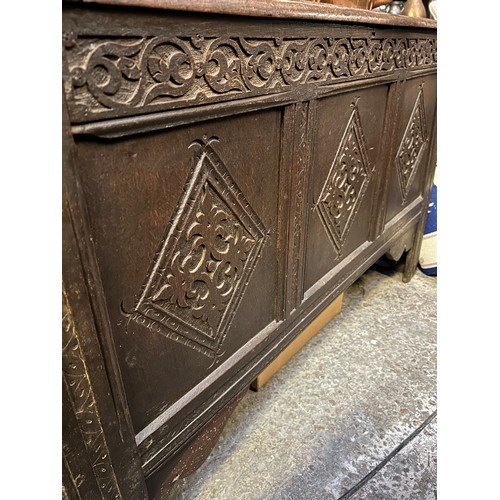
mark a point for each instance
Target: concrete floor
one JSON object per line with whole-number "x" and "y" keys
{"x": 352, "y": 415}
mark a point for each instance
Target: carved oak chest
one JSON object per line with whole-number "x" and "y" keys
{"x": 227, "y": 173}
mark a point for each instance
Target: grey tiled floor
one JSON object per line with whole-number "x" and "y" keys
{"x": 352, "y": 415}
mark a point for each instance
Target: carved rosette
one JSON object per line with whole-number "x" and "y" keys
{"x": 120, "y": 76}
{"x": 346, "y": 183}
{"x": 212, "y": 245}
{"x": 412, "y": 147}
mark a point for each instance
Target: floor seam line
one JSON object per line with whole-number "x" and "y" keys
{"x": 389, "y": 457}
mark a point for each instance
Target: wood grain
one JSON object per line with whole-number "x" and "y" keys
{"x": 229, "y": 169}
{"x": 303, "y": 338}
{"x": 281, "y": 9}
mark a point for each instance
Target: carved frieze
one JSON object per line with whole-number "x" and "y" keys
{"x": 346, "y": 182}
{"x": 412, "y": 146}
{"x": 212, "y": 245}
{"x": 123, "y": 76}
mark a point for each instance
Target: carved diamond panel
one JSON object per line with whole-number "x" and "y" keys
{"x": 212, "y": 246}
{"x": 412, "y": 146}
{"x": 346, "y": 183}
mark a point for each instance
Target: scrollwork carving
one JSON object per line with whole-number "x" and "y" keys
{"x": 125, "y": 75}
{"x": 170, "y": 64}
{"x": 110, "y": 73}
{"x": 223, "y": 66}
{"x": 294, "y": 59}
{"x": 340, "y": 57}
{"x": 263, "y": 62}
{"x": 319, "y": 58}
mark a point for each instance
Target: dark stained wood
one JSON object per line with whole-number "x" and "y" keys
{"x": 305, "y": 123}
{"x": 410, "y": 150}
{"x": 226, "y": 176}
{"x": 388, "y": 153}
{"x": 135, "y": 187}
{"x": 414, "y": 253}
{"x": 193, "y": 454}
{"x": 115, "y": 69}
{"x": 345, "y": 168}
{"x": 99, "y": 452}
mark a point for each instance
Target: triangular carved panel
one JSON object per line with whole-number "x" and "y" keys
{"x": 212, "y": 245}
{"x": 411, "y": 149}
{"x": 346, "y": 183}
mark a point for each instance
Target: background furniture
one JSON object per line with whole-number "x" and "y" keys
{"x": 226, "y": 176}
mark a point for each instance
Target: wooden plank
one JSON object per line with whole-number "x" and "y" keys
{"x": 310, "y": 331}
{"x": 289, "y": 9}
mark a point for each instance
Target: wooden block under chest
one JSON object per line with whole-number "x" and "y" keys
{"x": 305, "y": 336}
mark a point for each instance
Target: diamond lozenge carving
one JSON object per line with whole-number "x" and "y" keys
{"x": 346, "y": 183}
{"x": 212, "y": 246}
{"x": 412, "y": 145}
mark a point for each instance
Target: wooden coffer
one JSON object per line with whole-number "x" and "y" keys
{"x": 226, "y": 176}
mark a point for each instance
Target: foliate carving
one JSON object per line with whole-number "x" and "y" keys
{"x": 124, "y": 75}
{"x": 302, "y": 150}
{"x": 76, "y": 377}
{"x": 412, "y": 146}
{"x": 346, "y": 183}
{"x": 211, "y": 248}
